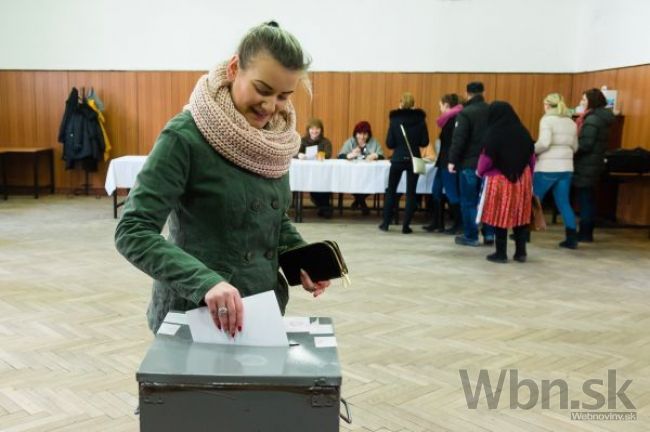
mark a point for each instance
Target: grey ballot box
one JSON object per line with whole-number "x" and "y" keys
{"x": 187, "y": 386}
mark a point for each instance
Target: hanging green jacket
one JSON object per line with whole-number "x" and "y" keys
{"x": 225, "y": 223}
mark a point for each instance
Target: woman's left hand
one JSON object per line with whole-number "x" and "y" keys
{"x": 372, "y": 157}
{"x": 316, "y": 288}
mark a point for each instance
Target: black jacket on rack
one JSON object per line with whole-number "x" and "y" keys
{"x": 80, "y": 134}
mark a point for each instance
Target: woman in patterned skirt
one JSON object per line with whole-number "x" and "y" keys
{"x": 506, "y": 165}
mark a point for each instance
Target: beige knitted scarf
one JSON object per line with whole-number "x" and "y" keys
{"x": 266, "y": 152}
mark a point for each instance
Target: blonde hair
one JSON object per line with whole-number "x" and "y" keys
{"x": 407, "y": 101}
{"x": 556, "y": 102}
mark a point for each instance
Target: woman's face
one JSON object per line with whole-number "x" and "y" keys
{"x": 262, "y": 89}
{"x": 314, "y": 132}
{"x": 444, "y": 107}
{"x": 584, "y": 103}
{"x": 362, "y": 138}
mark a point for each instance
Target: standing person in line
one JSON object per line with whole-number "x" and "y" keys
{"x": 361, "y": 146}
{"x": 219, "y": 172}
{"x": 589, "y": 161}
{"x": 413, "y": 120}
{"x": 450, "y": 106}
{"x": 466, "y": 147}
{"x": 507, "y": 163}
{"x": 315, "y": 136}
{"x": 558, "y": 141}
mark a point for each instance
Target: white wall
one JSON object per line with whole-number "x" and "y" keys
{"x": 340, "y": 35}
{"x": 613, "y": 34}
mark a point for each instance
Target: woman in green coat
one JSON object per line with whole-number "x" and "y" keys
{"x": 218, "y": 174}
{"x": 589, "y": 161}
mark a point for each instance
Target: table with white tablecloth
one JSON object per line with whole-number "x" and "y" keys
{"x": 121, "y": 174}
{"x": 343, "y": 176}
{"x": 331, "y": 175}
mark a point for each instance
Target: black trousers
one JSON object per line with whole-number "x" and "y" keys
{"x": 321, "y": 199}
{"x": 394, "y": 176}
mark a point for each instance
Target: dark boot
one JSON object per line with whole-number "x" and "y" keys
{"x": 456, "y": 214}
{"x": 501, "y": 242}
{"x": 586, "y": 233}
{"x": 512, "y": 236}
{"x": 436, "y": 210}
{"x": 365, "y": 210}
{"x": 409, "y": 211}
{"x": 441, "y": 220}
{"x": 521, "y": 234}
{"x": 571, "y": 240}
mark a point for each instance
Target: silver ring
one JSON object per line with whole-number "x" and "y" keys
{"x": 222, "y": 311}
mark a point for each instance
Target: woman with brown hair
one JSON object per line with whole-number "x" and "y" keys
{"x": 315, "y": 136}
{"x": 589, "y": 161}
{"x": 444, "y": 180}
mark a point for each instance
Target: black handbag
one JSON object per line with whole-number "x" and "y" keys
{"x": 628, "y": 160}
{"x": 322, "y": 261}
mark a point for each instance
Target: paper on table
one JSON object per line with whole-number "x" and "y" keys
{"x": 176, "y": 318}
{"x": 311, "y": 151}
{"x": 263, "y": 325}
{"x": 296, "y": 324}
{"x": 168, "y": 329}
{"x": 316, "y": 328}
{"x": 325, "y": 341}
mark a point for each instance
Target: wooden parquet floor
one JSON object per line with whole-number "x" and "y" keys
{"x": 73, "y": 330}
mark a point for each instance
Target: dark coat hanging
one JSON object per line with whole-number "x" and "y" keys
{"x": 81, "y": 134}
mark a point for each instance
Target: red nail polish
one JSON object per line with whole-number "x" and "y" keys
{"x": 239, "y": 328}
{"x": 219, "y": 326}
{"x": 232, "y": 335}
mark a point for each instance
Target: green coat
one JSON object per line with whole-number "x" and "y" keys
{"x": 225, "y": 223}
{"x": 589, "y": 160}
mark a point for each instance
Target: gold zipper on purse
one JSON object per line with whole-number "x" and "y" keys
{"x": 339, "y": 258}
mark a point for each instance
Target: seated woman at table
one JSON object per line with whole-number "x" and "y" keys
{"x": 361, "y": 146}
{"x": 412, "y": 122}
{"x": 315, "y": 136}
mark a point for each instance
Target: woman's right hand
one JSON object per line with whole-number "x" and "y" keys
{"x": 226, "y": 308}
{"x": 354, "y": 153}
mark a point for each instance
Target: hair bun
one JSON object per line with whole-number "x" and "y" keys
{"x": 272, "y": 24}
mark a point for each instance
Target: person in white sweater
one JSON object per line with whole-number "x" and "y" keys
{"x": 558, "y": 141}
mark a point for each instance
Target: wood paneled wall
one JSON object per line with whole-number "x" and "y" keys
{"x": 633, "y": 86}
{"x": 138, "y": 104}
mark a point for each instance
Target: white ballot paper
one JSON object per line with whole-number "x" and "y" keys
{"x": 263, "y": 324}
{"x": 296, "y": 324}
{"x": 311, "y": 151}
{"x": 175, "y": 318}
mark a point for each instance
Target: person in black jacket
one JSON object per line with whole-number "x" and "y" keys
{"x": 589, "y": 161}
{"x": 414, "y": 122}
{"x": 450, "y": 106}
{"x": 471, "y": 124}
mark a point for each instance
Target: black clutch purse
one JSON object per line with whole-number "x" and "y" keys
{"x": 322, "y": 261}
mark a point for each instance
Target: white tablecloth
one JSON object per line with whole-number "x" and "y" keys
{"x": 332, "y": 175}
{"x": 122, "y": 172}
{"x": 337, "y": 175}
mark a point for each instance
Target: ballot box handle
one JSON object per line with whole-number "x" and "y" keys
{"x": 347, "y": 417}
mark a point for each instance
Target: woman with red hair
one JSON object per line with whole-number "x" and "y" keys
{"x": 361, "y": 146}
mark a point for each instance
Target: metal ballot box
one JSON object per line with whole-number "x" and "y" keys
{"x": 187, "y": 386}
